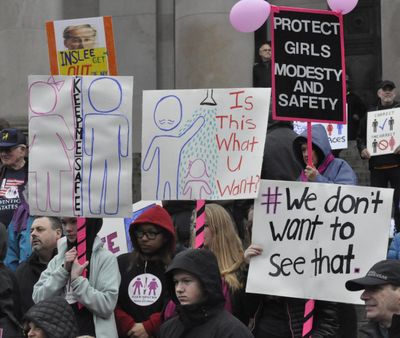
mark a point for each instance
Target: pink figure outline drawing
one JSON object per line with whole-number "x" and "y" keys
{"x": 104, "y": 188}
{"x": 48, "y": 144}
{"x": 196, "y": 184}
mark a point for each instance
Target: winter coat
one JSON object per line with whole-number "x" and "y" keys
{"x": 98, "y": 294}
{"x": 291, "y": 314}
{"x": 9, "y": 304}
{"x": 381, "y": 160}
{"x": 55, "y": 317}
{"x": 208, "y": 318}
{"x": 394, "y": 249}
{"x": 373, "y": 330}
{"x": 262, "y": 74}
{"x": 19, "y": 244}
{"x": 142, "y": 294}
{"x": 279, "y": 162}
{"x": 331, "y": 169}
{"x": 28, "y": 274}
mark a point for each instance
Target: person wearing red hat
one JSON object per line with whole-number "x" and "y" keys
{"x": 142, "y": 293}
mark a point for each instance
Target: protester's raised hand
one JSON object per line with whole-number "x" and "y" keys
{"x": 69, "y": 259}
{"x": 252, "y": 251}
{"x": 311, "y": 173}
{"x": 365, "y": 154}
{"x": 77, "y": 269}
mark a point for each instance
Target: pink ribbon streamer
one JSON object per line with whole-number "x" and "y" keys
{"x": 200, "y": 221}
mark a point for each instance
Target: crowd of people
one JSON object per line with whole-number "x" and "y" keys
{"x": 164, "y": 287}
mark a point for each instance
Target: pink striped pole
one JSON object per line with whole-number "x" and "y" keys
{"x": 310, "y": 304}
{"x": 200, "y": 221}
{"x": 81, "y": 238}
{"x": 309, "y": 144}
{"x": 308, "y": 318}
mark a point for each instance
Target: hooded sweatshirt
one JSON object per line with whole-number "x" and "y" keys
{"x": 208, "y": 318}
{"x": 331, "y": 169}
{"x": 142, "y": 294}
{"x": 55, "y": 317}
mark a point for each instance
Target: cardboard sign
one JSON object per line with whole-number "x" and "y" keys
{"x": 316, "y": 237}
{"x": 203, "y": 144}
{"x": 383, "y": 131}
{"x": 80, "y": 133}
{"x": 308, "y": 80}
{"x": 81, "y": 46}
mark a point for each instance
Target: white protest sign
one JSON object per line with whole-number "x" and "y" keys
{"x": 383, "y": 131}
{"x": 113, "y": 235}
{"x": 80, "y": 133}
{"x": 203, "y": 144}
{"x": 316, "y": 237}
{"x": 337, "y": 133}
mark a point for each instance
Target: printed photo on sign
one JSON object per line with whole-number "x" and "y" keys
{"x": 204, "y": 143}
{"x": 145, "y": 289}
{"x": 80, "y": 145}
{"x": 81, "y": 46}
{"x": 315, "y": 237}
{"x": 383, "y": 131}
{"x": 308, "y": 79}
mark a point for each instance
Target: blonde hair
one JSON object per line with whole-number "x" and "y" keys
{"x": 225, "y": 244}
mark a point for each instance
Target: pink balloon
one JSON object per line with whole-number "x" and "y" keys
{"x": 249, "y": 15}
{"x": 342, "y": 6}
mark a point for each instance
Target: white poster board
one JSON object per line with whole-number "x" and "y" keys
{"x": 337, "y": 133}
{"x": 203, "y": 143}
{"x": 113, "y": 235}
{"x": 383, "y": 131}
{"x": 316, "y": 237}
{"x": 80, "y": 132}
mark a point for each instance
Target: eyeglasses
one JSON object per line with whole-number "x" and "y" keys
{"x": 149, "y": 234}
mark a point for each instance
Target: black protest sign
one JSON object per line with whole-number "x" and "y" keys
{"x": 308, "y": 65}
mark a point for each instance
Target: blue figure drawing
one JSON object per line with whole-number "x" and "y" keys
{"x": 166, "y": 148}
{"x": 106, "y": 141}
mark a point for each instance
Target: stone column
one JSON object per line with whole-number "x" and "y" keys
{"x": 23, "y": 46}
{"x": 209, "y": 52}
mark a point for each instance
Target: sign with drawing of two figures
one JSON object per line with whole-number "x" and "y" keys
{"x": 383, "y": 131}
{"x": 80, "y": 145}
{"x": 203, "y": 143}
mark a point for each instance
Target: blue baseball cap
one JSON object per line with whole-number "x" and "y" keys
{"x": 11, "y": 137}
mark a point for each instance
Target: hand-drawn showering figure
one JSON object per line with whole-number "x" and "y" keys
{"x": 106, "y": 149}
{"x": 166, "y": 148}
{"x": 197, "y": 181}
{"x": 47, "y": 144}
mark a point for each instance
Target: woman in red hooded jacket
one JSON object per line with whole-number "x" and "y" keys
{"x": 142, "y": 293}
